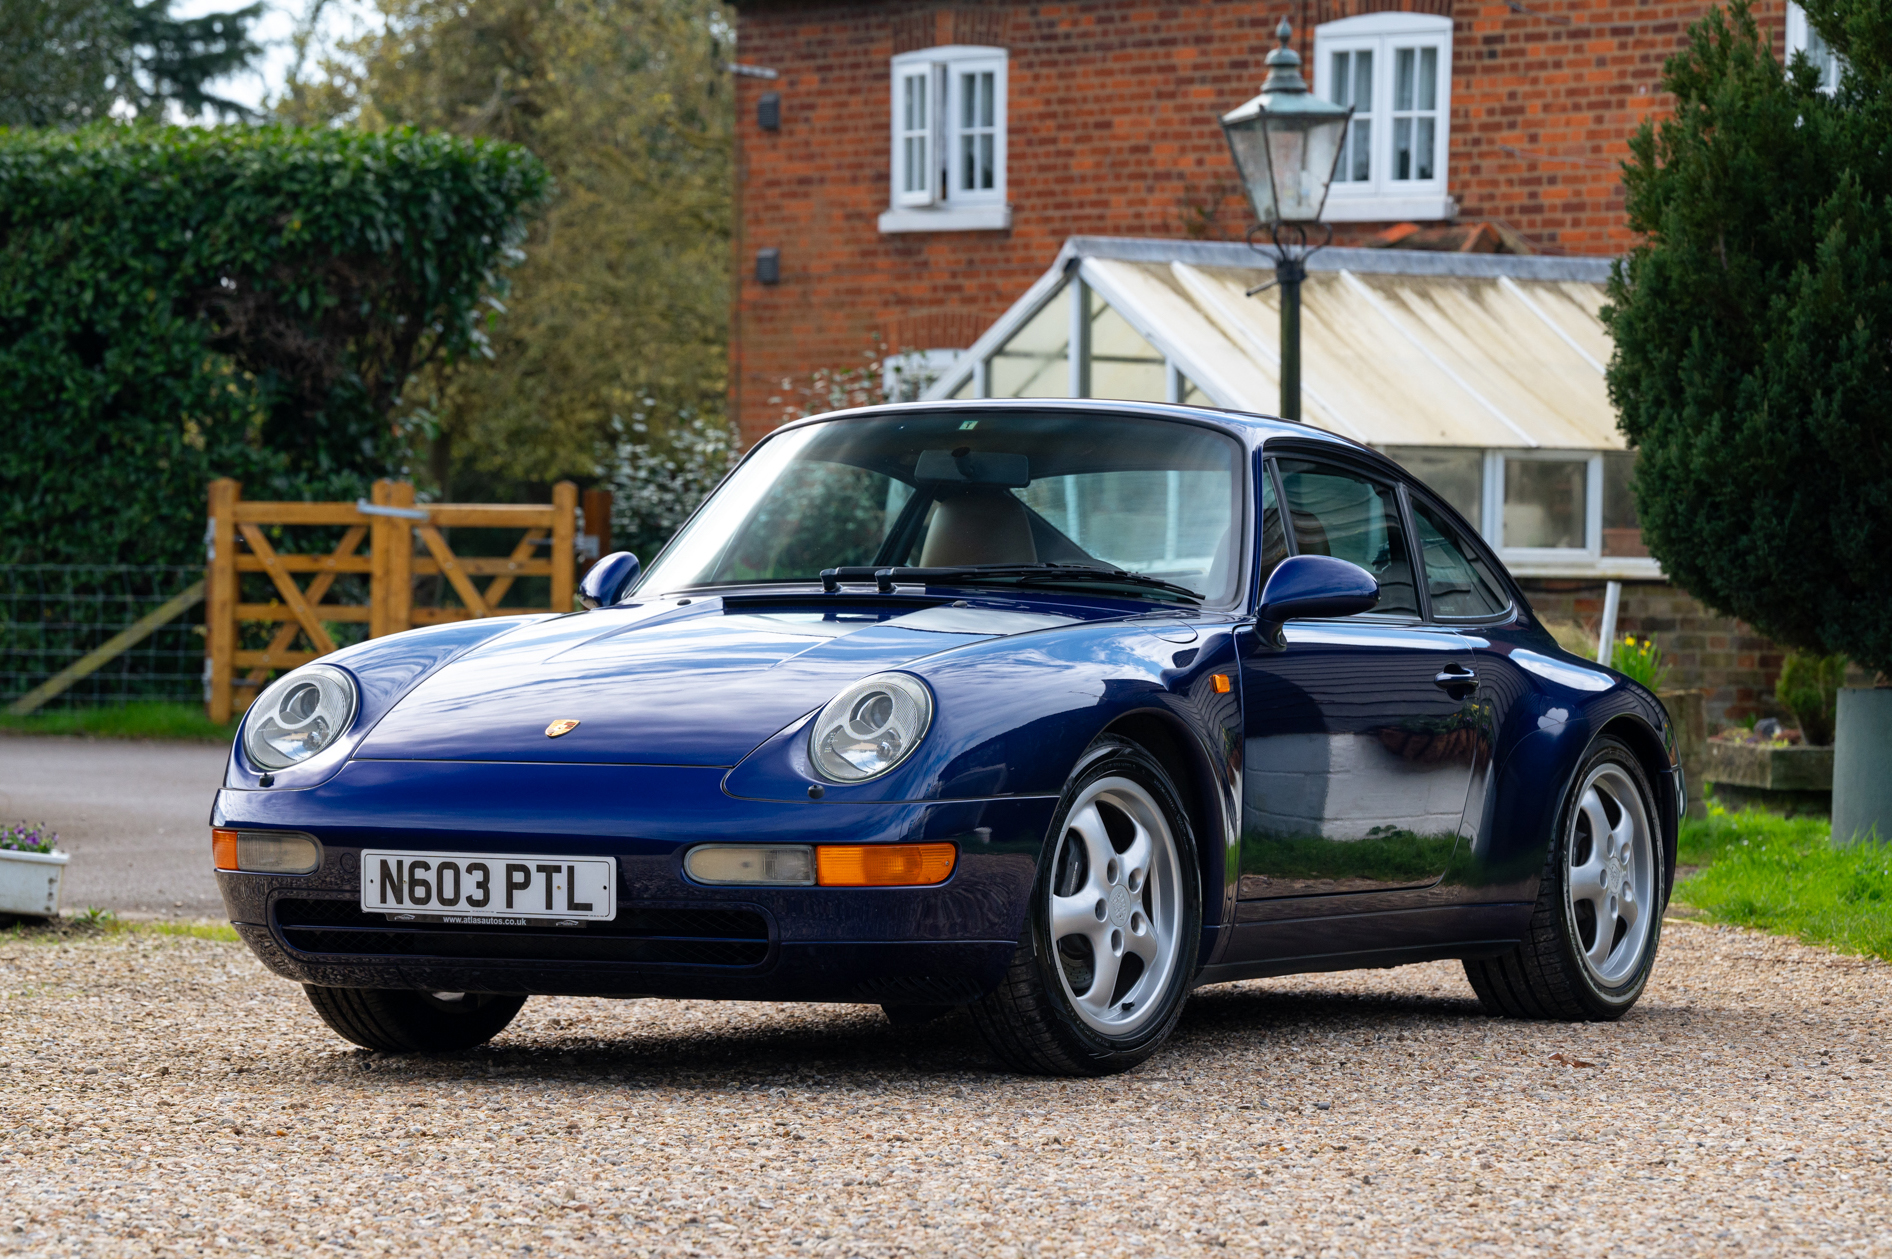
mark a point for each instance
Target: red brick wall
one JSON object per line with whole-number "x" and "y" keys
{"x": 1733, "y": 666}
{"x": 1112, "y": 127}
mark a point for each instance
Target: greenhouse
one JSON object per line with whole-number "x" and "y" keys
{"x": 1481, "y": 373}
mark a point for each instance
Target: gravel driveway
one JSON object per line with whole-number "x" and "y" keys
{"x": 168, "y": 1097}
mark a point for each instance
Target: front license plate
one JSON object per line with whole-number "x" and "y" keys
{"x": 486, "y": 887}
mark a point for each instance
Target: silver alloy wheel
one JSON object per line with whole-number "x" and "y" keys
{"x": 1116, "y": 906}
{"x": 1610, "y": 880}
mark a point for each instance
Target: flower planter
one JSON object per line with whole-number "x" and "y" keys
{"x": 1862, "y": 770}
{"x": 1789, "y": 780}
{"x": 29, "y": 882}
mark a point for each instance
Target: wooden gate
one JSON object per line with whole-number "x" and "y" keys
{"x": 403, "y": 542}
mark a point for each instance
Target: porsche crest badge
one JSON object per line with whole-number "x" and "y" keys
{"x": 560, "y": 727}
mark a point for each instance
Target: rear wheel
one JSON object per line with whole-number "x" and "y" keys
{"x": 398, "y": 1021}
{"x": 1593, "y": 935}
{"x": 1109, "y": 948}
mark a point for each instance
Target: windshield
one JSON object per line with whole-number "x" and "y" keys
{"x": 949, "y": 489}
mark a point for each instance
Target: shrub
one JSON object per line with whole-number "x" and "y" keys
{"x": 1753, "y": 330}
{"x": 1809, "y": 689}
{"x": 657, "y": 480}
{"x": 1640, "y": 662}
{"x": 178, "y": 304}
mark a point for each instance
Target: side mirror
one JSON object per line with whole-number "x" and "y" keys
{"x": 608, "y": 579}
{"x": 1315, "y": 586}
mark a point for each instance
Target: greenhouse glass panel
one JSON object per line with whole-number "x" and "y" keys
{"x": 1036, "y": 362}
{"x": 1123, "y": 364}
{"x": 1455, "y": 474}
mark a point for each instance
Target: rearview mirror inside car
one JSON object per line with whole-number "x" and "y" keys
{"x": 965, "y": 466}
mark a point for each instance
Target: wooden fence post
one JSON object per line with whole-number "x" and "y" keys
{"x": 221, "y": 595}
{"x": 564, "y": 522}
{"x": 399, "y": 613}
{"x": 380, "y": 543}
{"x": 597, "y": 532}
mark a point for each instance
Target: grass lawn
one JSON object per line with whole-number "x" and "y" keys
{"x": 97, "y": 923}
{"x": 127, "y": 721}
{"x": 1784, "y": 875}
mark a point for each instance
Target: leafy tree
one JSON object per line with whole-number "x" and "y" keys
{"x": 177, "y": 304}
{"x": 615, "y": 339}
{"x": 1753, "y": 329}
{"x": 69, "y": 62}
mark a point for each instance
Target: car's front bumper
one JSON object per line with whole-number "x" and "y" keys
{"x": 671, "y": 937}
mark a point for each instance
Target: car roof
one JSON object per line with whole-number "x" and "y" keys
{"x": 1250, "y": 428}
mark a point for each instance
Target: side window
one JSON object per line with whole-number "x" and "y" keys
{"x": 1457, "y": 580}
{"x": 1355, "y": 518}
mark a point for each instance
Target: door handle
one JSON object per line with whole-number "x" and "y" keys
{"x": 1454, "y": 678}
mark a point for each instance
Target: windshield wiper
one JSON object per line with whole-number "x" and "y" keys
{"x": 885, "y": 577}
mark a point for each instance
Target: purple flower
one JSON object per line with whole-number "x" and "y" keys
{"x": 24, "y": 838}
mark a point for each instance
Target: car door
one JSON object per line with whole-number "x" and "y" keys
{"x": 1360, "y": 733}
{"x": 1465, "y": 598}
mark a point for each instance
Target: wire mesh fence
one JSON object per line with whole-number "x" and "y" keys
{"x": 53, "y": 615}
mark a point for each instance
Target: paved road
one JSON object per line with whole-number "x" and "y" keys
{"x": 133, "y": 814}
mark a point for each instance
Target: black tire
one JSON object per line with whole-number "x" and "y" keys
{"x": 1031, "y": 1020}
{"x": 1546, "y": 975}
{"x": 399, "y": 1021}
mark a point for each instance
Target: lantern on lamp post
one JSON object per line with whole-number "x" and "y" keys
{"x": 1286, "y": 143}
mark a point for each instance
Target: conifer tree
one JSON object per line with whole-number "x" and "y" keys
{"x": 1753, "y": 329}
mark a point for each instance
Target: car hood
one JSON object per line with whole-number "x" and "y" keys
{"x": 662, "y": 684}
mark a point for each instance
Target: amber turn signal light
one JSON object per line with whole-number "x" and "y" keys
{"x": 1221, "y": 683}
{"x": 223, "y": 845}
{"x": 883, "y": 865}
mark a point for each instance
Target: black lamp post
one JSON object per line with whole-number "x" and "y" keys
{"x": 1286, "y": 144}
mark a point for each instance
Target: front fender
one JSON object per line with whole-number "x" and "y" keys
{"x": 384, "y": 669}
{"x": 1011, "y": 716}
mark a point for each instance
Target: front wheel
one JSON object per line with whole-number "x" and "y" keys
{"x": 1593, "y": 935}
{"x": 1110, "y": 942}
{"x": 398, "y": 1021}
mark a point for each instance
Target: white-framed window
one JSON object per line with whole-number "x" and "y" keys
{"x": 948, "y": 141}
{"x": 1801, "y": 37}
{"x": 1395, "y": 69}
{"x": 1546, "y": 512}
{"x": 1544, "y": 505}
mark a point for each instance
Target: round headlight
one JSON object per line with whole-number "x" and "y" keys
{"x": 300, "y": 714}
{"x": 871, "y": 727}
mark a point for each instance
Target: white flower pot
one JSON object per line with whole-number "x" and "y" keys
{"x": 29, "y": 882}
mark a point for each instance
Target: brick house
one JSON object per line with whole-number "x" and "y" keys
{"x": 908, "y": 172}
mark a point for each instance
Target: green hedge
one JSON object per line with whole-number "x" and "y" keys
{"x": 179, "y": 304}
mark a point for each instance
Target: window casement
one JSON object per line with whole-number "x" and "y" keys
{"x": 948, "y": 151}
{"x": 1395, "y": 69}
{"x": 1801, "y": 37}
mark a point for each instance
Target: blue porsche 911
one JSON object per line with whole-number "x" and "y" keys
{"x": 1049, "y": 710}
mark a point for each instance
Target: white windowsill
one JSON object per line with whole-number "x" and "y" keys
{"x": 1388, "y": 209}
{"x": 1605, "y": 567}
{"x": 971, "y": 218}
